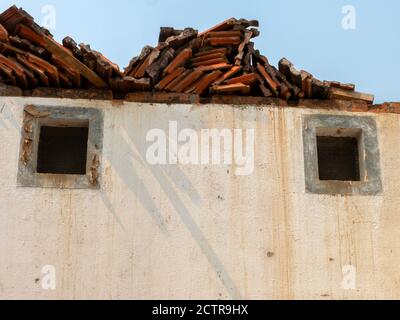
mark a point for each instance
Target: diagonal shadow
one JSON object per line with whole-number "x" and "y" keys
{"x": 107, "y": 202}
{"x": 191, "y": 225}
{"x": 126, "y": 170}
{"x": 132, "y": 180}
{"x": 177, "y": 176}
{"x": 186, "y": 186}
{"x": 7, "y": 118}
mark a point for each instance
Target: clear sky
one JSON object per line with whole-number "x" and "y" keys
{"x": 307, "y": 32}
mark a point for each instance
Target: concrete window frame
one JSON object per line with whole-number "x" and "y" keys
{"x": 37, "y": 116}
{"x": 365, "y": 130}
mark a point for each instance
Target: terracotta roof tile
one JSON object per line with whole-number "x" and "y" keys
{"x": 220, "y": 61}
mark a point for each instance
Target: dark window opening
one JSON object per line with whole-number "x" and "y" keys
{"x": 338, "y": 159}
{"x": 62, "y": 150}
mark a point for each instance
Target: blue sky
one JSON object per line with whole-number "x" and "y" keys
{"x": 308, "y": 32}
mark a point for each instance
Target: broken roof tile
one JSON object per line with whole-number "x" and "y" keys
{"x": 187, "y": 81}
{"x": 206, "y": 81}
{"x": 232, "y": 88}
{"x": 221, "y": 60}
{"x": 3, "y": 34}
{"x": 219, "y": 66}
{"x": 179, "y": 61}
{"x": 248, "y": 79}
{"x": 169, "y": 78}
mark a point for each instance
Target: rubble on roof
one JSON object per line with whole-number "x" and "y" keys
{"x": 220, "y": 61}
{"x": 31, "y": 58}
{"x": 223, "y": 61}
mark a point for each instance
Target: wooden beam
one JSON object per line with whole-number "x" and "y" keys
{"x": 169, "y": 78}
{"x": 187, "y": 81}
{"x": 220, "y": 34}
{"x": 177, "y": 80}
{"x": 55, "y": 48}
{"x": 224, "y": 41}
{"x": 336, "y": 93}
{"x": 208, "y": 57}
{"x": 209, "y": 62}
{"x": 227, "y": 24}
{"x": 234, "y": 70}
{"x": 212, "y": 51}
{"x": 339, "y": 85}
{"x": 205, "y": 82}
{"x": 178, "y": 61}
{"x": 270, "y": 82}
{"x": 248, "y": 79}
{"x": 232, "y": 88}
{"x": 75, "y": 77}
{"x": 213, "y": 67}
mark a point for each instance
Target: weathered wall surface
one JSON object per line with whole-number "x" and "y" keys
{"x": 197, "y": 232}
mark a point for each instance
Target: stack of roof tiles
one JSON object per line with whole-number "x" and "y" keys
{"x": 31, "y": 58}
{"x": 220, "y": 61}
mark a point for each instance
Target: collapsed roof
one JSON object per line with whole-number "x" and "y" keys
{"x": 220, "y": 61}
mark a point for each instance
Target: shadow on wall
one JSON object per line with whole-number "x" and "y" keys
{"x": 166, "y": 179}
{"x": 125, "y": 166}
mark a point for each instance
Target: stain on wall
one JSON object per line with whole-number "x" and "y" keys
{"x": 197, "y": 232}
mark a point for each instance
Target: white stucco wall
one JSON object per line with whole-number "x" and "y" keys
{"x": 196, "y": 232}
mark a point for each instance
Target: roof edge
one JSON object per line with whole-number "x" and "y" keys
{"x": 182, "y": 98}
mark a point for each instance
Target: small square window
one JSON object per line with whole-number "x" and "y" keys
{"x": 338, "y": 158}
{"x": 62, "y": 150}
{"x": 341, "y": 155}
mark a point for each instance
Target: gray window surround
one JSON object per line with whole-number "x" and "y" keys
{"x": 37, "y": 116}
{"x": 365, "y": 130}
